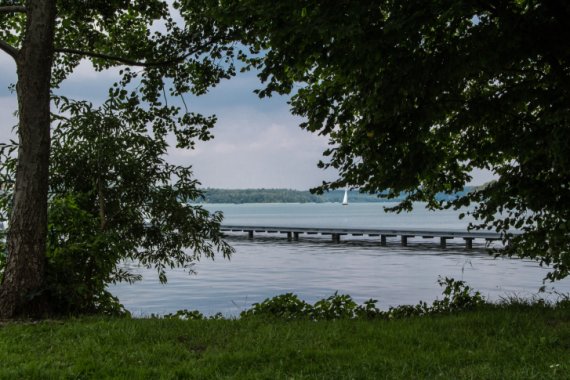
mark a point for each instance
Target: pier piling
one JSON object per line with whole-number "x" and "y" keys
{"x": 443, "y": 241}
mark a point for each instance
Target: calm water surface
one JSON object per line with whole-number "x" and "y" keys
{"x": 315, "y": 268}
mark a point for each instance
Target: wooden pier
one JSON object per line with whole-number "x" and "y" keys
{"x": 293, "y": 233}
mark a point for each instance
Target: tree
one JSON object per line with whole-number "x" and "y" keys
{"x": 47, "y": 39}
{"x": 113, "y": 197}
{"x": 415, "y": 95}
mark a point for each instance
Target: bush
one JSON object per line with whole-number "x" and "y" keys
{"x": 457, "y": 297}
{"x": 337, "y": 306}
{"x": 109, "y": 204}
{"x": 81, "y": 262}
{"x": 285, "y": 306}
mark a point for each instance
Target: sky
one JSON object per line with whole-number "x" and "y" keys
{"x": 257, "y": 144}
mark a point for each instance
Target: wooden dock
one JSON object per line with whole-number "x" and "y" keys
{"x": 293, "y": 233}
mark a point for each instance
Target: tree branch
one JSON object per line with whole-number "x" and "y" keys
{"x": 13, "y": 9}
{"x": 9, "y": 49}
{"x": 128, "y": 61}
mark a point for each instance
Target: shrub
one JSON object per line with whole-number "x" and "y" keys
{"x": 337, "y": 306}
{"x": 285, "y": 306}
{"x": 457, "y": 297}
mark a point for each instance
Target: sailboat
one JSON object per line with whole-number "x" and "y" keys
{"x": 345, "y": 199}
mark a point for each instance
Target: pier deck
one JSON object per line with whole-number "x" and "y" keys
{"x": 293, "y": 233}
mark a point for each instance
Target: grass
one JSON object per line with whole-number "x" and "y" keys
{"x": 514, "y": 342}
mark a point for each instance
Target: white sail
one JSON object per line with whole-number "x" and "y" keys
{"x": 345, "y": 199}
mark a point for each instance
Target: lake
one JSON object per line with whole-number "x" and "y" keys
{"x": 315, "y": 268}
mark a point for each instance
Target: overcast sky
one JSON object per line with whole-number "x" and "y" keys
{"x": 257, "y": 141}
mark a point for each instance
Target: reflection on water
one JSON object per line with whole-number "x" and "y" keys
{"x": 315, "y": 268}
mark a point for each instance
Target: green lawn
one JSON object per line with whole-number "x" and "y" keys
{"x": 493, "y": 343}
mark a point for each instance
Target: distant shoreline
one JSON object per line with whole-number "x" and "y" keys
{"x": 241, "y": 196}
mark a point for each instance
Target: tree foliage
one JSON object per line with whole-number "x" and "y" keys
{"x": 111, "y": 196}
{"x": 113, "y": 165}
{"x": 415, "y": 95}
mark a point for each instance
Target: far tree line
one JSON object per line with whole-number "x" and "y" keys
{"x": 210, "y": 195}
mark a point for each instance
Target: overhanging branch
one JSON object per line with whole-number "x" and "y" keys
{"x": 132, "y": 62}
{"x": 9, "y": 49}
{"x": 12, "y": 9}
{"x": 108, "y": 57}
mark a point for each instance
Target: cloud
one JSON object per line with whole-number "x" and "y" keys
{"x": 84, "y": 83}
{"x": 258, "y": 143}
{"x": 481, "y": 176}
{"x": 254, "y": 148}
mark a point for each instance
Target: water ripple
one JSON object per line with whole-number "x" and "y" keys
{"x": 315, "y": 269}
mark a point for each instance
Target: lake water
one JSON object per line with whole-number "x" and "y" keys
{"x": 314, "y": 267}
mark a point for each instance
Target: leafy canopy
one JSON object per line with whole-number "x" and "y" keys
{"x": 415, "y": 95}
{"x": 113, "y": 196}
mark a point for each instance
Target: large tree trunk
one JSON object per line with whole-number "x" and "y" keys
{"x": 24, "y": 275}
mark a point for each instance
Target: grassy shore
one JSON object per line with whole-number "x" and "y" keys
{"x": 513, "y": 342}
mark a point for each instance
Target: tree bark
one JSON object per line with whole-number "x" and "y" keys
{"x": 24, "y": 275}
